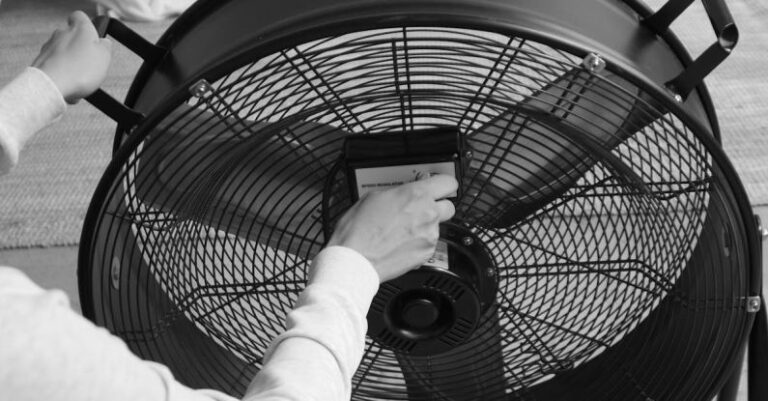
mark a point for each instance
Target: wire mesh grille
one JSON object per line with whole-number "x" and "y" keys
{"x": 589, "y": 197}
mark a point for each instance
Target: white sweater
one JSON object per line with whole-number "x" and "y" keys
{"x": 48, "y": 352}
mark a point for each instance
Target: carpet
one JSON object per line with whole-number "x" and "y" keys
{"x": 43, "y": 202}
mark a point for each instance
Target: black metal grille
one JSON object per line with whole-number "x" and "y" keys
{"x": 590, "y": 197}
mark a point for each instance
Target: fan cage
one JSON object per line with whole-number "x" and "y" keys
{"x": 230, "y": 243}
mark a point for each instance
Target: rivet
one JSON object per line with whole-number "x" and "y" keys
{"x": 114, "y": 273}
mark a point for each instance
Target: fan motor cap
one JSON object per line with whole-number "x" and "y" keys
{"x": 432, "y": 310}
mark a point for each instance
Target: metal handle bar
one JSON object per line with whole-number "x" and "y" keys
{"x": 150, "y": 53}
{"x": 725, "y": 29}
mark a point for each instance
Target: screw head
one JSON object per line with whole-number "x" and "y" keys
{"x": 672, "y": 90}
{"x": 467, "y": 241}
{"x": 753, "y": 304}
{"x": 201, "y": 89}
{"x": 593, "y": 63}
{"x": 468, "y": 154}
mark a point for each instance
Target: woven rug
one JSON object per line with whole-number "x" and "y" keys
{"x": 43, "y": 202}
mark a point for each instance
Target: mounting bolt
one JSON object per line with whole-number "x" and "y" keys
{"x": 114, "y": 273}
{"x": 673, "y": 92}
{"x": 490, "y": 272}
{"x": 201, "y": 89}
{"x": 468, "y": 154}
{"x": 753, "y": 304}
{"x": 467, "y": 241}
{"x": 593, "y": 63}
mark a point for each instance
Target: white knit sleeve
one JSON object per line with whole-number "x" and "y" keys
{"x": 27, "y": 104}
{"x": 48, "y": 352}
{"x": 315, "y": 358}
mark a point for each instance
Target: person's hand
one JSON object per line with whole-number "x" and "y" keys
{"x": 397, "y": 229}
{"x": 75, "y": 58}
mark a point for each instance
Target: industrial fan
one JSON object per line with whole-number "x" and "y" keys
{"x": 603, "y": 247}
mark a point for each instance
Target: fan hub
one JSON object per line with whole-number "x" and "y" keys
{"x": 434, "y": 309}
{"x": 420, "y": 313}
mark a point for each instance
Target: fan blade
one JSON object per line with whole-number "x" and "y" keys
{"x": 520, "y": 165}
{"x": 259, "y": 180}
{"x": 472, "y": 371}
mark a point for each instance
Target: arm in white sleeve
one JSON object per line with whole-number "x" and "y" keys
{"x": 49, "y": 352}
{"x": 27, "y": 104}
{"x": 315, "y": 358}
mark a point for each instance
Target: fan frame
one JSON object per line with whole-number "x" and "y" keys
{"x": 161, "y": 85}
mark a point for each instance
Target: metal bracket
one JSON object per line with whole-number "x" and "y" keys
{"x": 725, "y": 30}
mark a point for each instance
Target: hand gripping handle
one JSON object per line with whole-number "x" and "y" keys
{"x": 150, "y": 53}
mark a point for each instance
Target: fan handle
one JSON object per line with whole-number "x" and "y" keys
{"x": 727, "y": 36}
{"x": 150, "y": 53}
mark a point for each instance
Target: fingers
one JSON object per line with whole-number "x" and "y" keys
{"x": 82, "y": 25}
{"x": 438, "y": 186}
{"x": 445, "y": 209}
{"x": 106, "y": 43}
{"x": 78, "y": 18}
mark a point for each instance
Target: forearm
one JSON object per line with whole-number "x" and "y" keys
{"x": 27, "y": 104}
{"x": 325, "y": 335}
{"x": 49, "y": 352}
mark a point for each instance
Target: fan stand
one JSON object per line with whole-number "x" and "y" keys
{"x": 757, "y": 363}
{"x": 756, "y": 353}
{"x": 758, "y": 357}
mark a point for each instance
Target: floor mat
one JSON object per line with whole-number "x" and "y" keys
{"x": 44, "y": 200}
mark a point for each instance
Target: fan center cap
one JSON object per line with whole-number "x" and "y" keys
{"x": 420, "y": 313}
{"x": 436, "y": 307}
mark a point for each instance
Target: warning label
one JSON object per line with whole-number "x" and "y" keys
{"x": 380, "y": 178}
{"x": 440, "y": 257}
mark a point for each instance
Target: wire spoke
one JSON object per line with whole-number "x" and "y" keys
{"x": 367, "y": 365}
{"x": 484, "y": 85}
{"x": 322, "y": 94}
{"x": 543, "y": 270}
